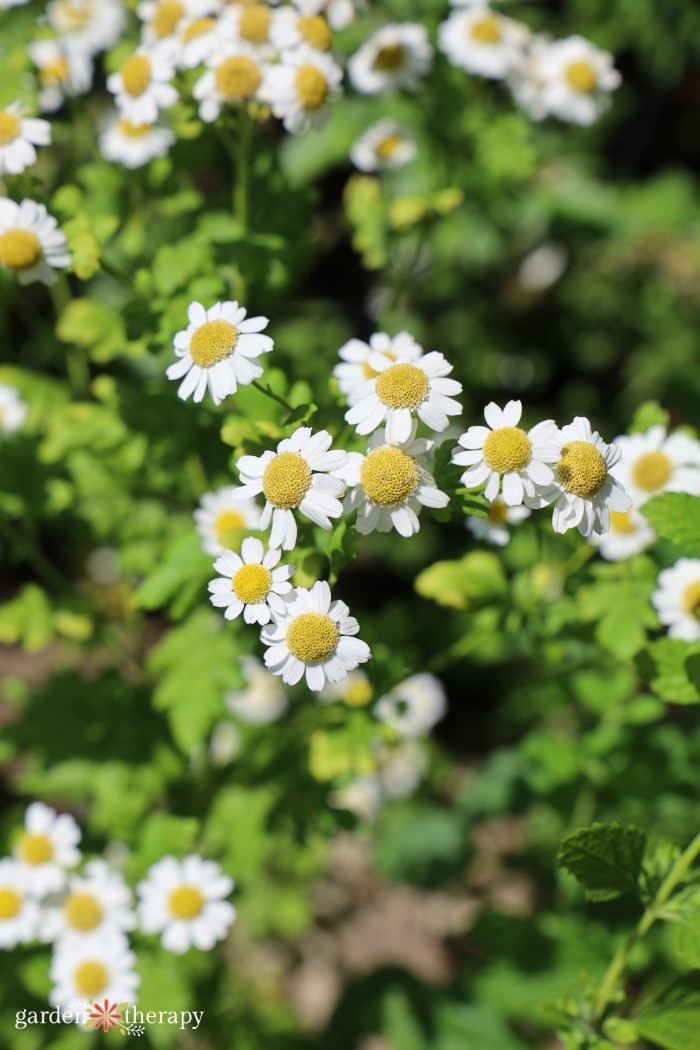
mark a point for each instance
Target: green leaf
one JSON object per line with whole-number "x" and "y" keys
{"x": 672, "y": 1021}
{"x": 180, "y": 579}
{"x": 96, "y": 327}
{"x": 605, "y": 858}
{"x": 649, "y": 414}
{"x": 618, "y": 601}
{"x": 676, "y": 517}
{"x": 672, "y": 668}
{"x": 478, "y": 577}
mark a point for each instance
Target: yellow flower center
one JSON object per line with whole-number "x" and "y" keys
{"x": 369, "y": 372}
{"x": 389, "y": 476}
{"x": 226, "y": 525}
{"x": 402, "y": 386}
{"x": 19, "y": 249}
{"x": 651, "y": 471}
{"x": 621, "y": 521}
{"x": 390, "y": 59}
{"x": 388, "y": 146}
{"x": 35, "y": 849}
{"x": 498, "y": 513}
{"x": 136, "y": 74}
{"x": 581, "y": 77}
{"x": 691, "y": 599}
{"x": 168, "y": 14}
{"x": 359, "y": 692}
{"x": 316, "y": 31}
{"x": 312, "y": 637}
{"x": 213, "y": 341}
{"x": 252, "y": 583}
{"x": 286, "y": 480}
{"x": 197, "y": 28}
{"x": 254, "y": 24}
{"x": 53, "y": 72}
{"x": 91, "y": 978}
{"x": 582, "y": 469}
{"x": 134, "y": 131}
{"x": 487, "y": 30}
{"x": 506, "y": 449}
{"x": 82, "y": 911}
{"x": 238, "y": 78}
{"x": 186, "y": 902}
{"x": 311, "y": 86}
{"x": 10, "y": 902}
{"x": 9, "y": 127}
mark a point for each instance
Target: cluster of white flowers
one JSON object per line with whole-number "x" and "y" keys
{"x": 31, "y": 244}
{"x": 87, "y": 915}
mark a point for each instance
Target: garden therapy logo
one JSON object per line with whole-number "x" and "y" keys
{"x": 127, "y": 1020}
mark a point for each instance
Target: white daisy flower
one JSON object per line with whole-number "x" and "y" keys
{"x": 88, "y": 25}
{"x": 18, "y": 137}
{"x": 301, "y": 87}
{"x": 383, "y": 147}
{"x": 225, "y": 744}
{"x": 483, "y": 42}
{"x": 96, "y": 966}
{"x": 19, "y": 912}
{"x": 355, "y": 690}
{"x": 677, "y": 601}
{"x": 220, "y": 519}
{"x": 263, "y": 700}
{"x": 391, "y": 483}
{"x": 95, "y": 903}
{"x": 247, "y": 583}
{"x": 162, "y": 19}
{"x": 355, "y": 369}
{"x": 401, "y": 388}
{"x": 250, "y": 24}
{"x": 291, "y": 28}
{"x": 338, "y": 13}
{"x": 506, "y": 451}
{"x": 401, "y": 768}
{"x": 630, "y": 533}
{"x": 656, "y": 462}
{"x": 313, "y": 635}
{"x": 134, "y": 145}
{"x": 13, "y": 410}
{"x": 199, "y": 39}
{"x": 362, "y": 796}
{"x": 218, "y": 349}
{"x": 569, "y": 79}
{"x": 585, "y": 492}
{"x": 413, "y": 707}
{"x": 31, "y": 243}
{"x": 235, "y": 75}
{"x": 395, "y": 58}
{"x": 302, "y": 474}
{"x": 142, "y": 87}
{"x": 492, "y": 529}
{"x": 47, "y": 849}
{"x": 185, "y": 902}
{"x": 61, "y": 71}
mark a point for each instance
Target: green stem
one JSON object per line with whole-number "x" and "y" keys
{"x": 270, "y": 393}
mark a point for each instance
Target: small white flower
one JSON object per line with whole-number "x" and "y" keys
{"x": 395, "y": 58}
{"x": 220, "y": 518}
{"x": 401, "y": 388}
{"x": 301, "y": 87}
{"x": 542, "y": 267}
{"x": 630, "y": 533}
{"x": 235, "y": 75}
{"x": 185, "y": 902}
{"x": 339, "y": 13}
{"x": 383, "y": 147}
{"x": 391, "y": 483}
{"x": 97, "y": 966}
{"x": 303, "y": 473}
{"x": 569, "y": 79}
{"x": 362, "y": 796}
{"x": 313, "y": 635}
{"x": 584, "y": 492}
{"x": 263, "y": 700}
{"x": 225, "y": 744}
{"x": 62, "y": 71}
{"x": 355, "y": 369}
{"x": 218, "y": 349}
{"x": 492, "y": 528}
{"x": 95, "y": 903}
{"x": 483, "y": 42}
{"x": 13, "y": 410}
{"x": 677, "y": 601}
{"x": 31, "y": 243}
{"x": 199, "y": 39}
{"x": 134, "y": 145}
{"x": 19, "y": 912}
{"x": 401, "y": 767}
{"x": 142, "y": 87}
{"x": 355, "y": 690}
{"x": 18, "y": 137}
{"x": 506, "y": 451}
{"x": 88, "y": 25}
{"x": 250, "y": 24}
{"x": 247, "y": 583}
{"x": 162, "y": 19}
{"x": 47, "y": 849}
{"x": 290, "y": 28}
{"x": 656, "y": 462}
{"x": 413, "y": 707}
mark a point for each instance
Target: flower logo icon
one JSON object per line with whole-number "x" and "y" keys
{"x": 106, "y": 1016}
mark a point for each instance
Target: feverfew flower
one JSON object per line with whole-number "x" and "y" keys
{"x": 19, "y": 912}
{"x": 88, "y": 25}
{"x": 656, "y": 462}
{"x": 301, "y": 87}
{"x": 383, "y": 147}
{"x": 302, "y": 474}
{"x": 218, "y": 350}
{"x": 395, "y": 58}
{"x": 250, "y": 24}
{"x": 97, "y": 902}
{"x": 339, "y": 13}
{"x": 401, "y": 767}
{"x": 313, "y": 635}
{"x": 96, "y": 966}
{"x": 630, "y": 533}
{"x": 413, "y": 707}
{"x": 355, "y": 369}
{"x": 290, "y": 28}
{"x": 401, "y": 388}
{"x": 234, "y": 75}
{"x": 13, "y": 410}
{"x": 185, "y": 902}
{"x": 18, "y": 137}
{"x": 31, "y": 243}
{"x": 391, "y": 483}
{"x": 249, "y": 582}
{"x": 61, "y": 70}
{"x": 677, "y": 601}
{"x": 506, "y": 451}
{"x": 142, "y": 87}
{"x": 162, "y": 19}
{"x": 361, "y": 796}
{"x": 134, "y": 145}
{"x": 573, "y": 80}
{"x": 47, "y": 848}
{"x": 492, "y": 528}
{"x": 483, "y": 42}
{"x": 355, "y": 690}
{"x": 199, "y": 39}
{"x": 263, "y": 700}
{"x": 220, "y": 519}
